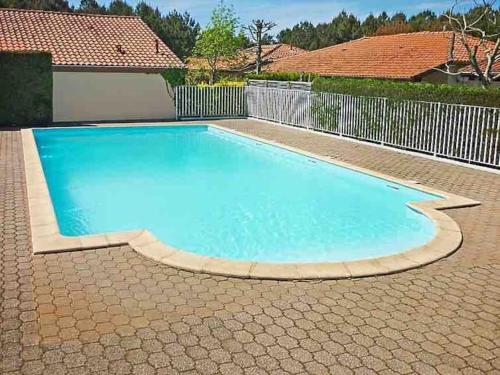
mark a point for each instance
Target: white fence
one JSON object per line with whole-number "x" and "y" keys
{"x": 206, "y": 102}
{"x": 291, "y": 85}
{"x": 460, "y": 132}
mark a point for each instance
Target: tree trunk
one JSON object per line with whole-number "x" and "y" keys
{"x": 213, "y": 74}
{"x": 484, "y": 82}
{"x": 258, "y": 59}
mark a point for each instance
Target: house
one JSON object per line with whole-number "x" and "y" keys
{"x": 409, "y": 57}
{"x": 245, "y": 61}
{"x": 468, "y": 75}
{"x": 104, "y": 67}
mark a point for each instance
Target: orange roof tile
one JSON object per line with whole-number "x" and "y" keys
{"x": 272, "y": 52}
{"x": 470, "y": 70}
{"x": 400, "y": 56}
{"x": 76, "y": 39}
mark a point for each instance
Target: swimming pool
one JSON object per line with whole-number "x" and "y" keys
{"x": 214, "y": 193}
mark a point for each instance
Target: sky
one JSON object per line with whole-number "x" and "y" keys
{"x": 287, "y": 13}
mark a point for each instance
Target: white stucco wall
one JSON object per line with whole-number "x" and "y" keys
{"x": 99, "y": 96}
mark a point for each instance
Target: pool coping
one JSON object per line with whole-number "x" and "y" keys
{"x": 46, "y": 237}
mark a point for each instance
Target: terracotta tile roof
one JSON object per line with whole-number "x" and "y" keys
{"x": 83, "y": 39}
{"x": 400, "y": 56}
{"x": 468, "y": 69}
{"x": 278, "y": 51}
{"x": 246, "y": 58}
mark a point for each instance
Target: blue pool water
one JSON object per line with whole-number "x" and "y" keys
{"x": 214, "y": 193}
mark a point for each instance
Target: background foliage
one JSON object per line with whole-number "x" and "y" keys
{"x": 175, "y": 77}
{"x": 25, "y": 88}
{"x": 459, "y": 94}
{"x": 220, "y": 39}
{"x": 345, "y": 27}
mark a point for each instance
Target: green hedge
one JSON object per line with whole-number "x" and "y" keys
{"x": 25, "y": 88}
{"x": 459, "y": 94}
{"x": 175, "y": 76}
{"x": 282, "y": 76}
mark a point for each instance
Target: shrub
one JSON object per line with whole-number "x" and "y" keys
{"x": 202, "y": 77}
{"x": 196, "y": 76}
{"x": 25, "y": 88}
{"x": 175, "y": 76}
{"x": 457, "y": 94}
{"x": 282, "y": 76}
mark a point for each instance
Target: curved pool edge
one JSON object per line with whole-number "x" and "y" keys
{"x": 46, "y": 237}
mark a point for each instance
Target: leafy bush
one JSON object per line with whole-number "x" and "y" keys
{"x": 25, "y": 88}
{"x": 458, "y": 94}
{"x": 197, "y": 76}
{"x": 175, "y": 76}
{"x": 202, "y": 77}
{"x": 282, "y": 76}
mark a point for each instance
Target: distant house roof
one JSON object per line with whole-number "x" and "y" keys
{"x": 274, "y": 52}
{"x": 87, "y": 40}
{"x": 400, "y": 56}
{"x": 246, "y": 58}
{"x": 469, "y": 70}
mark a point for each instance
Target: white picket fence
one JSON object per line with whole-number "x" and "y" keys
{"x": 460, "y": 132}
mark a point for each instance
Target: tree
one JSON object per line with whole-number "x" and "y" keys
{"x": 370, "y": 25}
{"x": 399, "y": 17}
{"x": 219, "y": 40}
{"x": 120, "y": 8}
{"x": 484, "y": 50}
{"x": 345, "y": 27}
{"x": 426, "y": 20}
{"x": 258, "y": 30}
{"x": 152, "y": 18}
{"x": 181, "y": 31}
{"x": 268, "y": 39}
{"x": 490, "y": 24}
{"x": 303, "y": 35}
{"x": 383, "y": 18}
{"x": 91, "y": 6}
{"x": 54, "y": 5}
{"x": 394, "y": 28}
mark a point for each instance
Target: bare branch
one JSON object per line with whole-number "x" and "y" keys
{"x": 258, "y": 29}
{"x": 447, "y": 71}
{"x": 474, "y": 40}
{"x": 492, "y": 58}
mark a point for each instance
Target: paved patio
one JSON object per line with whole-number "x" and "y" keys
{"x": 113, "y": 311}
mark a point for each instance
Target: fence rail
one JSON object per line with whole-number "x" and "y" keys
{"x": 461, "y": 132}
{"x": 206, "y": 102}
{"x": 281, "y": 84}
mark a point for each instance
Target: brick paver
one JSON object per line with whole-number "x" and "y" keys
{"x": 113, "y": 311}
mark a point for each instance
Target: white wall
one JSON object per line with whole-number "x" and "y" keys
{"x": 95, "y": 96}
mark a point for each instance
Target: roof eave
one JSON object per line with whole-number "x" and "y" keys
{"x": 112, "y": 69}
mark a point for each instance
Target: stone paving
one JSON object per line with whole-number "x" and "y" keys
{"x": 113, "y": 311}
